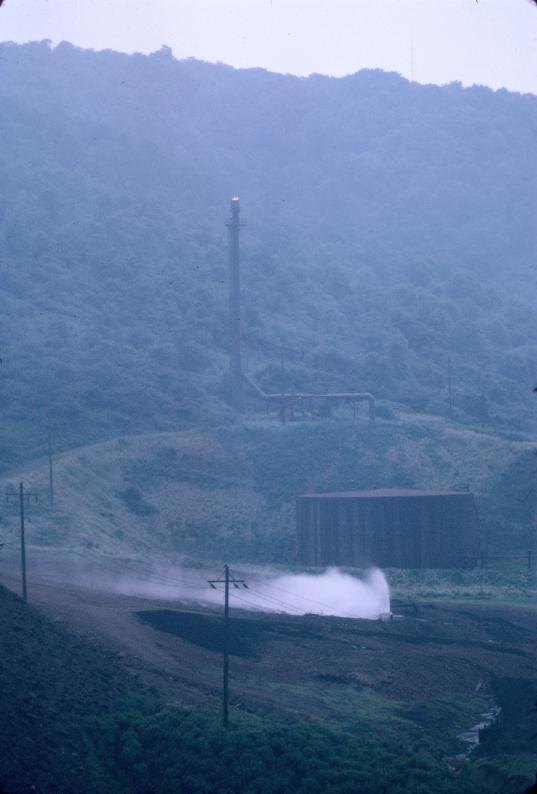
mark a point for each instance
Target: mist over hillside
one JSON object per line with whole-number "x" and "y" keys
{"x": 390, "y": 228}
{"x": 390, "y": 240}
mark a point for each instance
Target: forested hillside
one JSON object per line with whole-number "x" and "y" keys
{"x": 391, "y": 226}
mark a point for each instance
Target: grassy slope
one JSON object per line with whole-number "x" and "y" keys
{"x": 230, "y": 491}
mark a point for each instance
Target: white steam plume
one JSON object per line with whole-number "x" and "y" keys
{"x": 329, "y": 593}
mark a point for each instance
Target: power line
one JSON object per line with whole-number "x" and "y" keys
{"x": 253, "y": 605}
{"x": 287, "y": 604}
{"x": 277, "y": 601}
{"x": 300, "y": 610}
{"x": 319, "y": 603}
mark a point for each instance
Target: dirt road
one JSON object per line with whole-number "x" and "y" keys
{"x": 310, "y": 666}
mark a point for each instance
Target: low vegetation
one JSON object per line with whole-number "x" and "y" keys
{"x": 165, "y": 750}
{"x": 229, "y": 492}
{"x": 509, "y": 581}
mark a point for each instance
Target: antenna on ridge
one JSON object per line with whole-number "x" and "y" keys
{"x": 412, "y": 53}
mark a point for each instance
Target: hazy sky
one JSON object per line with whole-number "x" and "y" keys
{"x": 492, "y": 42}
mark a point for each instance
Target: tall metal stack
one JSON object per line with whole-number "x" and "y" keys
{"x": 237, "y": 386}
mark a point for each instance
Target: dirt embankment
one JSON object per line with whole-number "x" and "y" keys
{"x": 430, "y": 673}
{"x": 51, "y": 683}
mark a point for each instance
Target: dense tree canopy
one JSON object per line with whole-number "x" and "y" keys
{"x": 390, "y": 227}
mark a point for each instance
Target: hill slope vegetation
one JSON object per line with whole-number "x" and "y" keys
{"x": 390, "y": 228}
{"x": 229, "y": 493}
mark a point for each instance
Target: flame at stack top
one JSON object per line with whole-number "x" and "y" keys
{"x": 235, "y": 205}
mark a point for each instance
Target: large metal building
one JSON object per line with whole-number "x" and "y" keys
{"x": 388, "y": 528}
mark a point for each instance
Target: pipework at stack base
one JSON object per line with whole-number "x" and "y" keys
{"x": 286, "y": 401}
{"x": 235, "y": 360}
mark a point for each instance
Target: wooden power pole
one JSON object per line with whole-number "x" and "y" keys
{"x": 23, "y": 544}
{"x": 226, "y": 581}
{"x": 22, "y": 496}
{"x": 50, "y": 472}
{"x": 450, "y": 393}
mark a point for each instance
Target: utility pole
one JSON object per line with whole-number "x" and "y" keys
{"x": 450, "y": 395}
{"x": 23, "y": 544}
{"x": 50, "y": 472}
{"x": 22, "y": 496}
{"x": 412, "y": 53}
{"x": 246, "y": 354}
{"x": 226, "y": 581}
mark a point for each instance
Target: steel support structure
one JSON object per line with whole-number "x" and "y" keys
{"x": 237, "y": 386}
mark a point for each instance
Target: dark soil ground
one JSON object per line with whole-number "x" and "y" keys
{"x": 50, "y": 683}
{"x": 77, "y": 649}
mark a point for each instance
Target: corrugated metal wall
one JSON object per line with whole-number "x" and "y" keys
{"x": 422, "y": 531}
